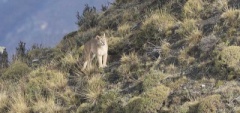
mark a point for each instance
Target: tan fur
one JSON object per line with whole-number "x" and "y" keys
{"x": 95, "y": 47}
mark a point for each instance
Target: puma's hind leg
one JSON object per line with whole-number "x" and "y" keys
{"x": 105, "y": 60}
{"x": 86, "y": 62}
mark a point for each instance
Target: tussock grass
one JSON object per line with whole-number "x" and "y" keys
{"x": 68, "y": 61}
{"x": 124, "y": 29}
{"x": 158, "y": 23}
{"x": 231, "y": 17}
{"x": 4, "y": 100}
{"x": 187, "y": 27}
{"x": 194, "y": 38}
{"x": 46, "y": 105}
{"x": 193, "y": 8}
{"x": 130, "y": 65}
{"x": 19, "y": 104}
{"x": 165, "y": 48}
{"x": 94, "y": 89}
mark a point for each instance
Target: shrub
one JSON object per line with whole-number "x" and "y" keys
{"x": 188, "y": 107}
{"x": 88, "y": 18}
{"x": 230, "y": 57}
{"x": 149, "y": 102}
{"x": 109, "y": 102}
{"x": 123, "y": 1}
{"x": 152, "y": 79}
{"x": 209, "y": 104}
{"x": 16, "y": 70}
{"x": 135, "y": 105}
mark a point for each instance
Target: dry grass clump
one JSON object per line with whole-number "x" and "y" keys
{"x": 165, "y": 48}
{"x": 46, "y": 106}
{"x": 47, "y": 91}
{"x": 94, "y": 89}
{"x": 124, "y": 29}
{"x": 115, "y": 44}
{"x": 159, "y": 21}
{"x": 194, "y": 38}
{"x": 130, "y": 66}
{"x": 50, "y": 79}
{"x": 231, "y": 17}
{"x": 129, "y": 63}
{"x": 187, "y": 27}
{"x": 193, "y": 8}
{"x": 19, "y": 104}
{"x": 68, "y": 61}
{"x": 184, "y": 59}
{"x": 4, "y": 99}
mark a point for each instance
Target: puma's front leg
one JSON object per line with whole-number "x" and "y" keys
{"x": 105, "y": 60}
{"x": 84, "y": 65}
{"x": 99, "y": 57}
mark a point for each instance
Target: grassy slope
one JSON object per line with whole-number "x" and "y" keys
{"x": 177, "y": 56}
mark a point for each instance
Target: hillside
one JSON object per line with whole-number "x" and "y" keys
{"x": 174, "y": 56}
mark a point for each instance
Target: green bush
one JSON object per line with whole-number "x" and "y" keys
{"x": 16, "y": 71}
{"x": 209, "y": 104}
{"x": 123, "y": 1}
{"x": 149, "y": 102}
{"x": 88, "y": 19}
{"x": 227, "y": 61}
{"x": 109, "y": 102}
{"x": 152, "y": 79}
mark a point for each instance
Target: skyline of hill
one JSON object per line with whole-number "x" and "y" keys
{"x": 41, "y": 22}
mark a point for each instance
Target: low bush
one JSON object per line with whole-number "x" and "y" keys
{"x": 210, "y": 104}
{"x": 149, "y": 102}
{"x": 16, "y": 70}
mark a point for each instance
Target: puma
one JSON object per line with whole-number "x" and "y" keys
{"x": 95, "y": 47}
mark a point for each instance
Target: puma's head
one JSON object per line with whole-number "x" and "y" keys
{"x": 101, "y": 40}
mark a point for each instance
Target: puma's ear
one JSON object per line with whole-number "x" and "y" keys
{"x": 104, "y": 35}
{"x": 97, "y": 37}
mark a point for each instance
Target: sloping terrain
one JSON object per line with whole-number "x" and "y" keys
{"x": 175, "y": 56}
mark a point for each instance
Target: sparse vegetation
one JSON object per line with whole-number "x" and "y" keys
{"x": 176, "y": 56}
